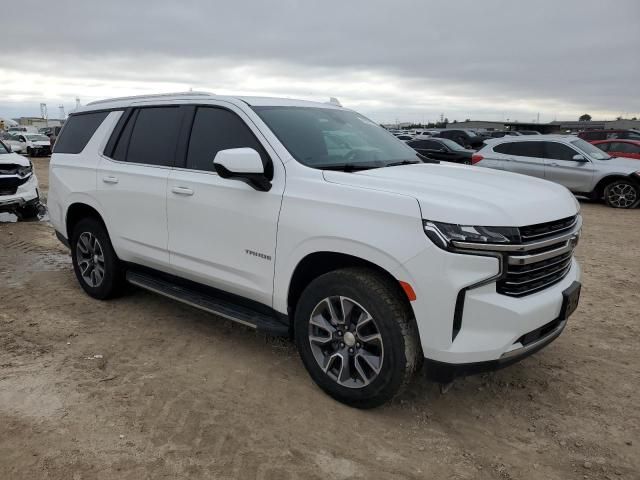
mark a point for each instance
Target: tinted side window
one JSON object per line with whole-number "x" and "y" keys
{"x": 77, "y": 131}
{"x": 120, "y": 151}
{"x": 558, "y": 151}
{"x": 631, "y": 135}
{"x": 431, "y": 145}
{"x": 503, "y": 148}
{"x": 420, "y": 144}
{"x": 527, "y": 149}
{"x": 216, "y": 129}
{"x": 604, "y": 146}
{"x": 154, "y": 136}
{"x": 624, "y": 147}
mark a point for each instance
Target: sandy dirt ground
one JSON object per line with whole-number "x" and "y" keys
{"x": 143, "y": 387}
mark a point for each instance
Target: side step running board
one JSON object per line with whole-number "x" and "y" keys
{"x": 209, "y": 302}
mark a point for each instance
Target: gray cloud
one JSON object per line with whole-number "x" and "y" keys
{"x": 408, "y": 60}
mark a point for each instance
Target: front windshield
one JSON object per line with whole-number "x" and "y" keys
{"x": 452, "y": 145}
{"x": 3, "y": 149}
{"x": 333, "y": 138}
{"x": 37, "y": 138}
{"x": 591, "y": 150}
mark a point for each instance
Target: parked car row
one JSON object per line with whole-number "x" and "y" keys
{"x": 31, "y": 144}
{"x": 570, "y": 161}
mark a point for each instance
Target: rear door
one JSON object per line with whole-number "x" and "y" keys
{"x": 561, "y": 168}
{"x": 525, "y": 157}
{"x": 132, "y": 182}
{"x": 222, "y": 232}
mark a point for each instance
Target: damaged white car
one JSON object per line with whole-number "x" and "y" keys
{"x": 18, "y": 184}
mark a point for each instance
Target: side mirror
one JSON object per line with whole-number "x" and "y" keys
{"x": 8, "y": 147}
{"x": 579, "y": 158}
{"x": 242, "y": 164}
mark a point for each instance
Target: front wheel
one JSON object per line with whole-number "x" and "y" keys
{"x": 356, "y": 336}
{"x": 622, "y": 194}
{"x": 95, "y": 263}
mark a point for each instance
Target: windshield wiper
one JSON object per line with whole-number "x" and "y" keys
{"x": 345, "y": 167}
{"x": 402, "y": 162}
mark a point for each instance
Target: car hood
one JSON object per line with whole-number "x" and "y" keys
{"x": 468, "y": 195}
{"x": 43, "y": 143}
{"x": 13, "y": 158}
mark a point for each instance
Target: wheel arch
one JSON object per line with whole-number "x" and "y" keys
{"x": 318, "y": 263}
{"x": 76, "y": 212}
{"x": 598, "y": 191}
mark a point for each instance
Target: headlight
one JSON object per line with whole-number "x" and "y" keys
{"x": 24, "y": 171}
{"x": 444, "y": 234}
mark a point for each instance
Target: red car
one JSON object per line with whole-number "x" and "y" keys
{"x": 620, "y": 148}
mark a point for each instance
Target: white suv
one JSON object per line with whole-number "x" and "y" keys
{"x": 570, "y": 161}
{"x": 373, "y": 260}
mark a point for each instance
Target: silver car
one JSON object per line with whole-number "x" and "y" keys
{"x": 581, "y": 167}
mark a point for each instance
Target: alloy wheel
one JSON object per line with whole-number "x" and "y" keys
{"x": 622, "y": 195}
{"x": 90, "y": 258}
{"x": 346, "y": 342}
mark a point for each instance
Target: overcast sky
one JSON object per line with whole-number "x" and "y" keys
{"x": 409, "y": 60}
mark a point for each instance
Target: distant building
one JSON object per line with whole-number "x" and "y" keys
{"x": 559, "y": 126}
{"x": 39, "y": 122}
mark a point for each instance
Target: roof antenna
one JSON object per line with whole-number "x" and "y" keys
{"x": 334, "y": 101}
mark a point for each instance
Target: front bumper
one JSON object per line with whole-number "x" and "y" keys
{"x": 525, "y": 346}
{"x": 26, "y": 193}
{"x": 491, "y": 322}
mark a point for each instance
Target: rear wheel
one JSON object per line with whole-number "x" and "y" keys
{"x": 622, "y": 194}
{"x": 95, "y": 263}
{"x": 357, "y": 336}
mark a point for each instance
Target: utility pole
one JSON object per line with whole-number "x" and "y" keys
{"x": 43, "y": 113}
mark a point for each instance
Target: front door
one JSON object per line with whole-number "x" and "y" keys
{"x": 222, "y": 232}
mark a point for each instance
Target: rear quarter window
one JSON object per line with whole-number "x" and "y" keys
{"x": 77, "y": 131}
{"x": 503, "y": 148}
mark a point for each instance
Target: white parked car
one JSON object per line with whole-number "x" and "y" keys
{"x": 11, "y": 140}
{"x": 32, "y": 144}
{"x": 18, "y": 184}
{"x": 373, "y": 261}
{"x": 570, "y": 161}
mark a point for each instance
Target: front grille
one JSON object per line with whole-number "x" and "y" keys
{"x": 9, "y": 169}
{"x": 542, "y": 265}
{"x": 522, "y": 280}
{"x": 542, "y": 230}
{"x": 8, "y": 190}
{"x": 12, "y": 182}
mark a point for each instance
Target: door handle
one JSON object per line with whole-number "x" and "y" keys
{"x": 553, "y": 164}
{"x": 110, "y": 179}
{"x": 182, "y": 191}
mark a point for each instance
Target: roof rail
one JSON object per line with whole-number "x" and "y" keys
{"x": 334, "y": 101}
{"x": 156, "y": 95}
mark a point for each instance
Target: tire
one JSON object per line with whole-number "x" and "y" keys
{"x": 622, "y": 193}
{"x": 396, "y": 355}
{"x": 101, "y": 258}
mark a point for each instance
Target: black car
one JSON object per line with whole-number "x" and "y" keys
{"x": 442, "y": 149}
{"x": 464, "y": 138}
